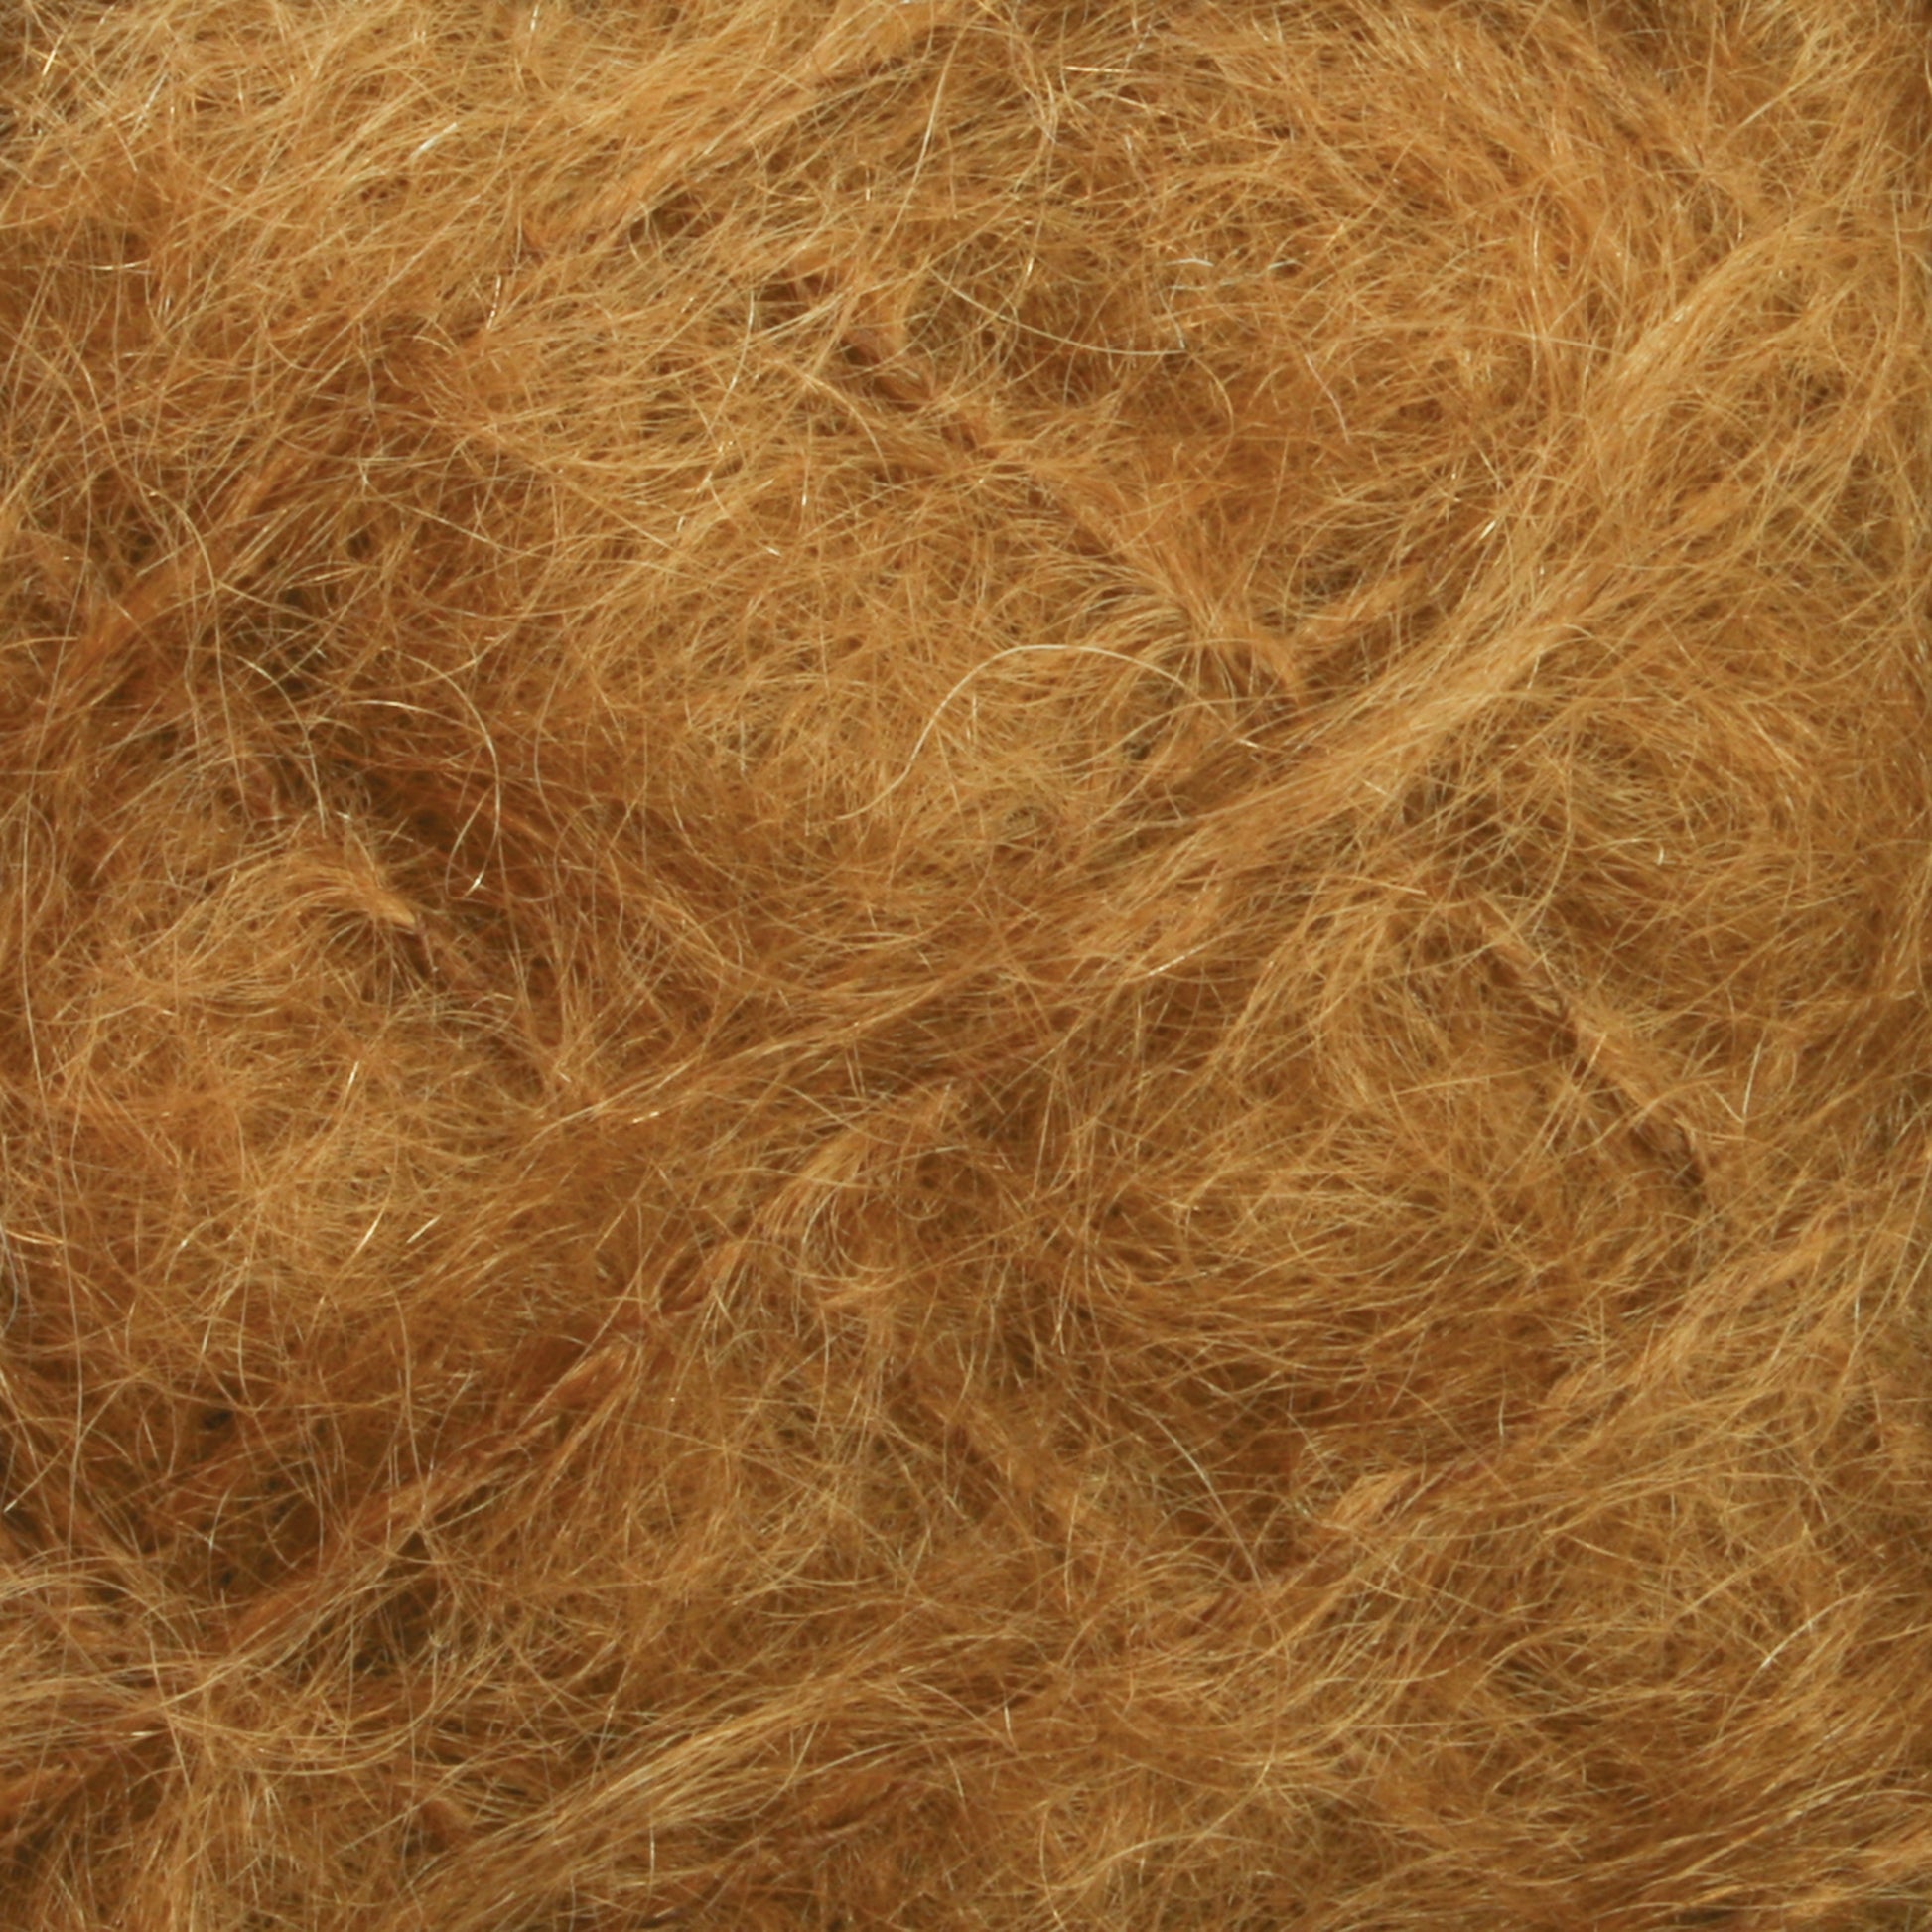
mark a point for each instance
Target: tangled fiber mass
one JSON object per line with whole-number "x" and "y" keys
{"x": 965, "y": 965}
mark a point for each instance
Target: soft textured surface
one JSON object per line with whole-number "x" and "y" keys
{"x": 965, "y": 965}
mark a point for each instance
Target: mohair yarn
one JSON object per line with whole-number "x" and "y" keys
{"x": 963, "y": 965}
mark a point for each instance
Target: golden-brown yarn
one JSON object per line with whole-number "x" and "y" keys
{"x": 965, "y": 965}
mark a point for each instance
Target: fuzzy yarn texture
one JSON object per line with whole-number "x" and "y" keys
{"x": 963, "y": 965}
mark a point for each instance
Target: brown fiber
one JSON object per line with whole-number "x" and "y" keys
{"x": 964, "y": 965}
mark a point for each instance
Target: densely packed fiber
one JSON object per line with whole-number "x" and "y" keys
{"x": 965, "y": 965}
